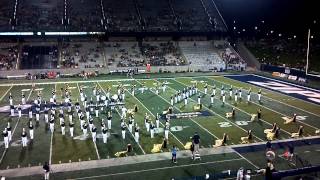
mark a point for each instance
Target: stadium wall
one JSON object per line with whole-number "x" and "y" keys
{"x": 154, "y": 69}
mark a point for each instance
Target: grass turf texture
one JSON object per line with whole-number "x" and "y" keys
{"x": 64, "y": 149}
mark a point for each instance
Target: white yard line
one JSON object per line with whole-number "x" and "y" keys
{"x": 235, "y": 107}
{"x": 217, "y": 115}
{"x": 50, "y": 153}
{"x": 162, "y": 168}
{"x": 273, "y": 109}
{"x": 51, "y": 136}
{"x": 125, "y": 123}
{"x": 4, "y": 95}
{"x": 94, "y": 143}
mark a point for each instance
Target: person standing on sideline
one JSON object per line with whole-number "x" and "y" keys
{"x": 46, "y": 169}
{"x": 196, "y": 142}
{"x": 174, "y": 154}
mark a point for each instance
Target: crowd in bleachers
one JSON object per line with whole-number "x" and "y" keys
{"x": 230, "y": 56}
{"x": 81, "y": 55}
{"x": 162, "y": 54}
{"x": 8, "y": 56}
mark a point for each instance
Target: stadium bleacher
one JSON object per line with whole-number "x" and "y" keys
{"x": 82, "y": 55}
{"x": 8, "y": 56}
{"x": 39, "y": 15}
{"x": 202, "y": 53}
{"x": 6, "y": 13}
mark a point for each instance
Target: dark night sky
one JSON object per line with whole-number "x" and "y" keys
{"x": 283, "y": 16}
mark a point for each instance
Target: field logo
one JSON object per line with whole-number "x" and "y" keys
{"x": 172, "y": 129}
{"x": 226, "y": 124}
{"x": 299, "y": 118}
{"x": 6, "y": 109}
{"x": 284, "y": 88}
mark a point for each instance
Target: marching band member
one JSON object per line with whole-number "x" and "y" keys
{"x": 24, "y": 138}
{"x": 31, "y": 129}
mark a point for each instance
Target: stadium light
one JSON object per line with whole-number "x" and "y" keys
{"x": 271, "y": 31}
{"x": 234, "y": 28}
{"x": 244, "y": 30}
{"x": 311, "y": 37}
{"x": 280, "y": 35}
{"x": 256, "y": 28}
{"x": 294, "y": 36}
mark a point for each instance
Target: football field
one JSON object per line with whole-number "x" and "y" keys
{"x": 210, "y": 122}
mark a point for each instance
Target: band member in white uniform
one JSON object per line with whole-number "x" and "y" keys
{"x": 130, "y": 124}
{"x": 71, "y": 128}
{"x": 123, "y": 129}
{"x": 152, "y": 130}
{"x": 157, "y": 121}
{"x": 109, "y": 119}
{"x": 249, "y": 95}
{"x": 5, "y": 138}
{"x": 94, "y": 134}
{"x": 31, "y": 130}
{"x": 24, "y": 138}
{"x": 10, "y": 99}
{"x": 85, "y": 129}
{"x": 63, "y": 128}
{"x": 12, "y": 110}
{"x": 136, "y": 133}
{"x": 259, "y": 95}
{"x": 223, "y": 98}
{"x": 105, "y": 135}
{"x": 51, "y": 123}
{"x": 23, "y": 99}
{"x": 211, "y": 98}
{"x": 9, "y": 132}
{"x": 166, "y": 131}
{"x": 19, "y": 111}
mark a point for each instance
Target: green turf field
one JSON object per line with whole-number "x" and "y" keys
{"x": 56, "y": 148}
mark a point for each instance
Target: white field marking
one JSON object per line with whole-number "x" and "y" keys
{"x": 188, "y": 118}
{"x": 51, "y": 137}
{"x": 312, "y": 89}
{"x": 4, "y": 95}
{"x": 101, "y": 80}
{"x": 277, "y": 111}
{"x": 222, "y": 117}
{"x": 271, "y": 99}
{"x": 162, "y": 168}
{"x": 94, "y": 143}
{"x": 29, "y": 94}
{"x": 50, "y": 154}
{"x": 13, "y": 131}
{"x": 125, "y": 123}
{"x": 236, "y": 108}
{"x": 257, "y": 167}
{"x": 154, "y": 117}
